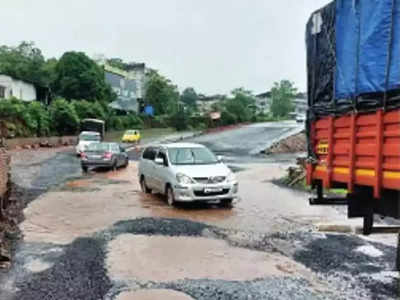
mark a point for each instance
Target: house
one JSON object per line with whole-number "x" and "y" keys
{"x": 301, "y": 105}
{"x": 126, "y": 88}
{"x": 11, "y": 87}
{"x": 205, "y": 104}
{"x": 263, "y": 102}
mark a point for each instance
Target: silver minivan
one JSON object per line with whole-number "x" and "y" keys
{"x": 186, "y": 172}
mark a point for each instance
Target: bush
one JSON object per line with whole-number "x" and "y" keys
{"x": 65, "y": 120}
{"x": 39, "y": 119}
{"x": 228, "y": 118}
{"x": 86, "y": 109}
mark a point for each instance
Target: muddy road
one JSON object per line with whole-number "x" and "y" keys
{"x": 97, "y": 236}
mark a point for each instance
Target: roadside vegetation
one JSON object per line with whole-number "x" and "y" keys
{"x": 73, "y": 88}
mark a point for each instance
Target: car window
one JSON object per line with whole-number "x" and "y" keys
{"x": 150, "y": 153}
{"x": 98, "y": 147}
{"x": 163, "y": 156}
{"x": 191, "y": 156}
{"x": 89, "y": 137}
{"x": 115, "y": 148}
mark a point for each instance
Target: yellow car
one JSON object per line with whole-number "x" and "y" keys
{"x": 131, "y": 136}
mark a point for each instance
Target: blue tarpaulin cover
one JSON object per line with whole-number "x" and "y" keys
{"x": 367, "y": 47}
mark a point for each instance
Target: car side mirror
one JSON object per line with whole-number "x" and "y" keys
{"x": 122, "y": 150}
{"x": 220, "y": 158}
{"x": 159, "y": 161}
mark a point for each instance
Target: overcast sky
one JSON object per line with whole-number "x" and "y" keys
{"x": 211, "y": 45}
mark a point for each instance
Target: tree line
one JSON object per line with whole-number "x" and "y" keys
{"x": 73, "y": 87}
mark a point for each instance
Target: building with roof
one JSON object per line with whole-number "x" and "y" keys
{"x": 11, "y": 87}
{"x": 128, "y": 85}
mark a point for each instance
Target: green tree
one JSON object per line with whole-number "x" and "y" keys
{"x": 282, "y": 95}
{"x": 25, "y": 62}
{"x": 64, "y": 118}
{"x": 79, "y": 77}
{"x": 190, "y": 97}
{"x": 161, "y": 94}
{"x": 86, "y": 109}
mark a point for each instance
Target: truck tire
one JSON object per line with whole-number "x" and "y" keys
{"x": 398, "y": 253}
{"x": 368, "y": 224}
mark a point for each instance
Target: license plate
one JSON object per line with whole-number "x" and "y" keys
{"x": 95, "y": 156}
{"x": 212, "y": 190}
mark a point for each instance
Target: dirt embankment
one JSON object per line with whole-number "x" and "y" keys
{"x": 293, "y": 144}
{"x": 6, "y": 215}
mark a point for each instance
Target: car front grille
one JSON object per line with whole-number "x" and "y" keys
{"x": 210, "y": 180}
{"x": 204, "y": 194}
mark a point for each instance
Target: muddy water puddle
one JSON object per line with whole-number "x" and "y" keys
{"x": 160, "y": 294}
{"x": 164, "y": 259}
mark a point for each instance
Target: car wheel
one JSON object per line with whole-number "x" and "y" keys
{"x": 84, "y": 169}
{"x": 126, "y": 163}
{"x": 114, "y": 166}
{"x": 170, "y": 197}
{"x": 144, "y": 187}
{"x": 226, "y": 202}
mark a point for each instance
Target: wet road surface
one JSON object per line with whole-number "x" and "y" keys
{"x": 97, "y": 236}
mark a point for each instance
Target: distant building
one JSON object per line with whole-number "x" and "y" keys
{"x": 301, "y": 104}
{"x": 263, "y": 102}
{"x": 205, "y": 103}
{"x": 11, "y": 87}
{"x": 128, "y": 85}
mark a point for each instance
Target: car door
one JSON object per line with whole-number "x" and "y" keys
{"x": 150, "y": 167}
{"x": 161, "y": 171}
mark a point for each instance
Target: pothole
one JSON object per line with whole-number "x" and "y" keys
{"x": 164, "y": 259}
{"x": 160, "y": 294}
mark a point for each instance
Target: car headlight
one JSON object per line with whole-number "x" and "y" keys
{"x": 184, "y": 179}
{"x": 231, "y": 177}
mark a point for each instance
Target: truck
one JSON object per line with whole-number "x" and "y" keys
{"x": 353, "y": 118}
{"x": 94, "y": 125}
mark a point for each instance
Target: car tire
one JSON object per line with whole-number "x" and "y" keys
{"x": 144, "y": 187}
{"x": 114, "y": 166}
{"x": 226, "y": 202}
{"x": 126, "y": 163}
{"x": 84, "y": 169}
{"x": 170, "y": 197}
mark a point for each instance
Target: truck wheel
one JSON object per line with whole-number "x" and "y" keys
{"x": 398, "y": 253}
{"x": 85, "y": 169}
{"x": 368, "y": 224}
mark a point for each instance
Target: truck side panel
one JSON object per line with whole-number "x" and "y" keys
{"x": 357, "y": 150}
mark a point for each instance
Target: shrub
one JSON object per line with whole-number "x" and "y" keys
{"x": 65, "y": 120}
{"x": 39, "y": 119}
{"x": 228, "y": 118}
{"x": 86, "y": 109}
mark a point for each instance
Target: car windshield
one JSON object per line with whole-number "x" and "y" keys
{"x": 99, "y": 147}
{"x": 89, "y": 137}
{"x": 131, "y": 132}
{"x": 191, "y": 156}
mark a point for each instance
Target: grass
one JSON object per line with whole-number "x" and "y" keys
{"x": 115, "y": 136}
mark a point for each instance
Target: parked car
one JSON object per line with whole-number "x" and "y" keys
{"x": 85, "y": 138}
{"x": 105, "y": 155}
{"x": 186, "y": 173}
{"x": 300, "y": 118}
{"x": 131, "y": 136}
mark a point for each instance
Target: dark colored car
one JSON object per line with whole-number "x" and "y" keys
{"x": 104, "y": 155}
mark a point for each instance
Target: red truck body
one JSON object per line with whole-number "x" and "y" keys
{"x": 357, "y": 149}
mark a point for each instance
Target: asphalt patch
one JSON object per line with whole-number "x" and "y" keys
{"x": 336, "y": 257}
{"x": 78, "y": 274}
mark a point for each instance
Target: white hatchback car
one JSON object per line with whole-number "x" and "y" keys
{"x": 186, "y": 173}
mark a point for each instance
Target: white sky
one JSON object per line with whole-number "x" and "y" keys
{"x": 212, "y": 45}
